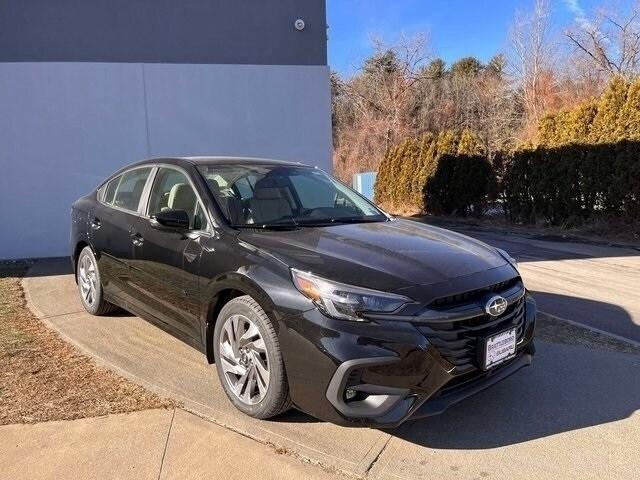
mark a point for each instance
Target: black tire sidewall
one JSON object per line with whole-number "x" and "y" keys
{"x": 277, "y": 380}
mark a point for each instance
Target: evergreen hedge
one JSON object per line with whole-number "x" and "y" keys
{"x": 444, "y": 173}
{"x": 586, "y": 163}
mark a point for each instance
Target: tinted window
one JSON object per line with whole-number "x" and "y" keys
{"x": 172, "y": 191}
{"x": 111, "y": 190}
{"x": 130, "y": 188}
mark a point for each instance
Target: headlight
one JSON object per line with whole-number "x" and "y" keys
{"x": 508, "y": 258}
{"x": 345, "y": 302}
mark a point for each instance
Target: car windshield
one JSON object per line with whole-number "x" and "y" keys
{"x": 283, "y": 196}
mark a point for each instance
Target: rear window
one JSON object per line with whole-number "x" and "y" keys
{"x": 128, "y": 191}
{"x": 110, "y": 190}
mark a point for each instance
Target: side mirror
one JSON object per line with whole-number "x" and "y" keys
{"x": 170, "y": 220}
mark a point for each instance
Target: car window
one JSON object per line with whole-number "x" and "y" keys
{"x": 129, "y": 190}
{"x": 312, "y": 191}
{"x": 110, "y": 190}
{"x": 272, "y": 194}
{"x": 172, "y": 191}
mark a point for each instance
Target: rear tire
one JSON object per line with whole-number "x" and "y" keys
{"x": 90, "y": 285}
{"x": 248, "y": 359}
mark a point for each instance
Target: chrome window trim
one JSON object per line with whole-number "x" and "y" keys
{"x": 143, "y": 204}
{"x": 122, "y": 174}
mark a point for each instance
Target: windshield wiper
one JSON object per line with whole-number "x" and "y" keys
{"x": 324, "y": 222}
{"x": 359, "y": 220}
{"x": 267, "y": 226}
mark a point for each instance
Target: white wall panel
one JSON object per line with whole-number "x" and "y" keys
{"x": 66, "y": 126}
{"x": 254, "y": 110}
{"x": 63, "y": 128}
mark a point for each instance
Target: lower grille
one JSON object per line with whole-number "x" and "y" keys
{"x": 458, "y": 340}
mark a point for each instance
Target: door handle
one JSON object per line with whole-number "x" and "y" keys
{"x": 137, "y": 239}
{"x": 95, "y": 223}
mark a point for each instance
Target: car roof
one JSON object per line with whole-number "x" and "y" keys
{"x": 204, "y": 160}
{"x": 217, "y": 160}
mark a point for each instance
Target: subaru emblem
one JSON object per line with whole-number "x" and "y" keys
{"x": 496, "y": 305}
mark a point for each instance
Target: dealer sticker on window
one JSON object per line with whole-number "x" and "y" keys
{"x": 499, "y": 348}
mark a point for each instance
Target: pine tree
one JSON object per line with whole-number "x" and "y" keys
{"x": 613, "y": 99}
{"x": 629, "y": 120}
{"x": 469, "y": 144}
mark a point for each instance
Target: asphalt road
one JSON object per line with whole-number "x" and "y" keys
{"x": 590, "y": 284}
{"x": 572, "y": 415}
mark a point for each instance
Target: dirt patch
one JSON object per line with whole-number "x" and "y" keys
{"x": 556, "y": 330}
{"x": 44, "y": 378}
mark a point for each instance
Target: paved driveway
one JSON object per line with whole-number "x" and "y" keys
{"x": 572, "y": 415}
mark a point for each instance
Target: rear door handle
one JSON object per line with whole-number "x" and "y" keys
{"x": 95, "y": 223}
{"x": 137, "y": 239}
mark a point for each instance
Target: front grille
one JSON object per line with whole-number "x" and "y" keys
{"x": 458, "y": 340}
{"x": 473, "y": 295}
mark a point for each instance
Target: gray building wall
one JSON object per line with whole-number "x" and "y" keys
{"x": 69, "y": 117}
{"x": 163, "y": 31}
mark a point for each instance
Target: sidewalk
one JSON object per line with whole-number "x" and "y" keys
{"x": 151, "y": 444}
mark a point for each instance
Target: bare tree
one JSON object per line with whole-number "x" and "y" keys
{"x": 379, "y": 100}
{"x": 611, "y": 43}
{"x": 531, "y": 59}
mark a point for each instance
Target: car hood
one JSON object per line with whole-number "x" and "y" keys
{"x": 386, "y": 256}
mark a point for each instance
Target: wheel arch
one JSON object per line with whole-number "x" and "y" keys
{"x": 224, "y": 289}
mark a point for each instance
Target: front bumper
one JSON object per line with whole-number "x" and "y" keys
{"x": 395, "y": 371}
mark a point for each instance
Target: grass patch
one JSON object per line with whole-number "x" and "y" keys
{"x": 556, "y": 330}
{"x": 44, "y": 378}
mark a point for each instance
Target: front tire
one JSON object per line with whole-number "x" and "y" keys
{"x": 90, "y": 285}
{"x": 248, "y": 359}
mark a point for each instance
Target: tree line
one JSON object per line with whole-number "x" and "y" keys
{"x": 585, "y": 163}
{"x": 477, "y": 132}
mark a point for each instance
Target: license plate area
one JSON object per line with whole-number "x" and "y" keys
{"x": 498, "y": 348}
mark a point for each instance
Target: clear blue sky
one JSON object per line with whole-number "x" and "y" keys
{"x": 456, "y": 28}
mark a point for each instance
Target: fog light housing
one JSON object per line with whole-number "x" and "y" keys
{"x": 350, "y": 394}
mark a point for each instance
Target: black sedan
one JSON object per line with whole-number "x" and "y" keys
{"x": 302, "y": 292}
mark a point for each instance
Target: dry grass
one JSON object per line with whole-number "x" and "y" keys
{"x": 44, "y": 378}
{"x": 555, "y": 330}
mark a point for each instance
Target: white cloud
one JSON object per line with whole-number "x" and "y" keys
{"x": 579, "y": 14}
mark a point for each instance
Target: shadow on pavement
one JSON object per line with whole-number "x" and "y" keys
{"x": 55, "y": 267}
{"x": 531, "y": 247}
{"x": 567, "y": 388}
{"x": 602, "y": 315}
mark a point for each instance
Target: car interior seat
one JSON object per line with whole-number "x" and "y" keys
{"x": 182, "y": 197}
{"x": 270, "y": 202}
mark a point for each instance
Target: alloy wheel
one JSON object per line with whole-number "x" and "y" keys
{"x": 88, "y": 280}
{"x": 244, "y": 361}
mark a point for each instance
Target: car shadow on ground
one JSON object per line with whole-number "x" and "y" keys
{"x": 567, "y": 388}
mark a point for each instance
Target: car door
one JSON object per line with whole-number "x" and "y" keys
{"x": 167, "y": 261}
{"x": 111, "y": 224}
